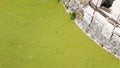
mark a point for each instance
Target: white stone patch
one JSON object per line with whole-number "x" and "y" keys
{"x": 101, "y": 19}
{"x": 115, "y": 9}
{"x": 118, "y": 20}
{"x": 97, "y": 2}
{"x": 94, "y": 1}
{"x": 89, "y": 10}
{"x": 107, "y": 30}
{"x": 107, "y": 49}
{"x": 117, "y": 31}
{"x": 88, "y": 18}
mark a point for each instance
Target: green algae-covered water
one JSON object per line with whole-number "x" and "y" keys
{"x": 40, "y": 34}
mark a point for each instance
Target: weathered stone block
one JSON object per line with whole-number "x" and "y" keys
{"x": 87, "y": 18}
{"x": 108, "y": 46}
{"x": 107, "y": 30}
{"x": 115, "y": 40}
{"x": 89, "y": 10}
{"x": 97, "y": 2}
{"x": 117, "y": 31}
{"x": 107, "y": 27}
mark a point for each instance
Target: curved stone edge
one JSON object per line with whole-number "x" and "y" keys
{"x": 98, "y": 28}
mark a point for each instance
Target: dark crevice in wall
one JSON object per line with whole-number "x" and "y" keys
{"x": 107, "y": 3}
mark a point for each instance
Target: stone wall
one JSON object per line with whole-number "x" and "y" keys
{"x": 97, "y": 25}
